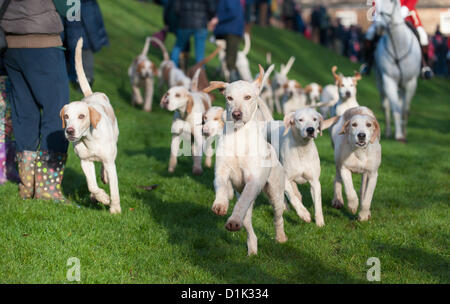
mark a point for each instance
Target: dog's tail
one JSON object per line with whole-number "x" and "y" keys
{"x": 267, "y": 75}
{"x": 194, "y": 81}
{"x": 207, "y": 59}
{"x": 82, "y": 80}
{"x": 146, "y": 46}
{"x": 288, "y": 66}
{"x": 269, "y": 58}
{"x": 247, "y": 44}
{"x": 162, "y": 47}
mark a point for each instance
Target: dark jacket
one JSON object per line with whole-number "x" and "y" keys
{"x": 170, "y": 16}
{"x": 231, "y": 18}
{"x": 90, "y": 27}
{"x": 32, "y": 24}
{"x": 194, "y": 14}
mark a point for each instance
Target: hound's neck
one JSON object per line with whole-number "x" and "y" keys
{"x": 301, "y": 142}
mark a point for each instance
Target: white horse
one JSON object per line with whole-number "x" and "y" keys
{"x": 398, "y": 60}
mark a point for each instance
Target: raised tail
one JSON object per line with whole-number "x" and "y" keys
{"x": 146, "y": 46}
{"x": 288, "y": 66}
{"x": 163, "y": 48}
{"x": 247, "y": 45}
{"x": 207, "y": 59}
{"x": 194, "y": 81}
{"x": 82, "y": 80}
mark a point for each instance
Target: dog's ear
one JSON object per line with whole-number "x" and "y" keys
{"x": 285, "y": 86}
{"x": 154, "y": 69}
{"x": 376, "y": 131}
{"x": 337, "y": 78}
{"x": 320, "y": 123}
{"x": 320, "y": 89}
{"x": 189, "y": 104}
{"x": 258, "y": 81}
{"x": 357, "y": 77}
{"x": 213, "y": 85}
{"x": 298, "y": 85}
{"x": 288, "y": 122}
{"x": 345, "y": 127}
{"x": 61, "y": 114}
{"x": 163, "y": 98}
{"x": 308, "y": 89}
{"x": 94, "y": 116}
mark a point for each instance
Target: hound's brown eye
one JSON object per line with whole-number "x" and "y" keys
{"x": 230, "y": 98}
{"x": 315, "y": 119}
{"x": 354, "y": 124}
{"x": 81, "y": 116}
{"x": 177, "y": 95}
{"x": 368, "y": 124}
{"x": 247, "y": 97}
{"x": 300, "y": 119}
{"x": 66, "y": 116}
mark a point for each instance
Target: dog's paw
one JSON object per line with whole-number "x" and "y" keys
{"x": 251, "y": 251}
{"x": 364, "y": 216}
{"x": 115, "y": 209}
{"x": 220, "y": 209}
{"x": 197, "y": 171}
{"x": 208, "y": 162}
{"x": 233, "y": 225}
{"x": 319, "y": 221}
{"x": 304, "y": 215}
{"x": 171, "y": 169}
{"x": 101, "y": 196}
{"x": 353, "y": 206}
{"x": 337, "y": 203}
{"x": 281, "y": 238}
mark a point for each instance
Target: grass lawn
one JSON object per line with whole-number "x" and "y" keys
{"x": 170, "y": 235}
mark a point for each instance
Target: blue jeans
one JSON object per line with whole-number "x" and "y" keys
{"x": 39, "y": 89}
{"x": 183, "y": 36}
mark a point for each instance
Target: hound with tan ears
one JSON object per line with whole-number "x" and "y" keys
{"x": 299, "y": 155}
{"x": 294, "y": 96}
{"x": 168, "y": 72}
{"x": 213, "y": 124}
{"x": 278, "y": 82}
{"x": 141, "y": 73}
{"x": 246, "y": 161}
{"x": 346, "y": 88}
{"x": 356, "y": 139}
{"x": 189, "y": 108}
{"x": 90, "y": 124}
{"x": 313, "y": 92}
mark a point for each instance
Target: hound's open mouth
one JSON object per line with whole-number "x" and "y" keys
{"x": 361, "y": 143}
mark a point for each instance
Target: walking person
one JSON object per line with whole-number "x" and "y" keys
{"x": 36, "y": 67}
{"x": 193, "y": 17}
{"x": 229, "y": 24}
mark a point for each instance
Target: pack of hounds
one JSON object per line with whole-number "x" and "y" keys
{"x": 254, "y": 153}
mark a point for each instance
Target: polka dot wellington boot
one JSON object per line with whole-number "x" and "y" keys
{"x": 26, "y": 163}
{"x": 48, "y": 176}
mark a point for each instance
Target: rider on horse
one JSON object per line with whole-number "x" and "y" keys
{"x": 409, "y": 13}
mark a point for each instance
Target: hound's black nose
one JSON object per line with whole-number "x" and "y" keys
{"x": 70, "y": 131}
{"x": 348, "y": 94}
{"x": 310, "y": 130}
{"x": 237, "y": 115}
{"x": 361, "y": 136}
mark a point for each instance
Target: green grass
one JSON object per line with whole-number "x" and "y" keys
{"x": 170, "y": 235}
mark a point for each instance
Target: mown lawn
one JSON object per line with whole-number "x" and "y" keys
{"x": 170, "y": 235}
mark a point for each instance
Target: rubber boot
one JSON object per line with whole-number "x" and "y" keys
{"x": 11, "y": 165}
{"x": 3, "y": 178}
{"x": 49, "y": 175}
{"x": 26, "y": 163}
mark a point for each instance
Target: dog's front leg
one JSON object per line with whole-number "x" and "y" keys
{"x": 97, "y": 193}
{"x": 209, "y": 151}
{"x": 248, "y": 195}
{"x": 148, "y": 94}
{"x": 366, "y": 201}
{"x": 295, "y": 197}
{"x": 174, "y": 149}
{"x": 316, "y": 194}
{"x": 338, "y": 199}
{"x": 137, "y": 97}
{"x": 252, "y": 240}
{"x": 222, "y": 186}
{"x": 110, "y": 168}
{"x": 352, "y": 196}
{"x": 197, "y": 149}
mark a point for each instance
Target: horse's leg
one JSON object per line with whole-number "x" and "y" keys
{"x": 410, "y": 90}
{"x": 391, "y": 91}
{"x": 385, "y": 105}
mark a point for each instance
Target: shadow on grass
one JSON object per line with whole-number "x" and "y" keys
{"x": 205, "y": 243}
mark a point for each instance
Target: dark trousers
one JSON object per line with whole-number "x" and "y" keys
{"x": 39, "y": 89}
{"x": 232, "y": 50}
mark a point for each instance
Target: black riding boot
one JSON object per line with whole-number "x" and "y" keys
{"x": 427, "y": 72}
{"x": 369, "y": 50}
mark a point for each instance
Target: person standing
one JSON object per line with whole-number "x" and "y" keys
{"x": 229, "y": 24}
{"x": 36, "y": 67}
{"x": 193, "y": 17}
{"x": 91, "y": 28}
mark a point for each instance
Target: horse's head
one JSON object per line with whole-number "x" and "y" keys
{"x": 388, "y": 12}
